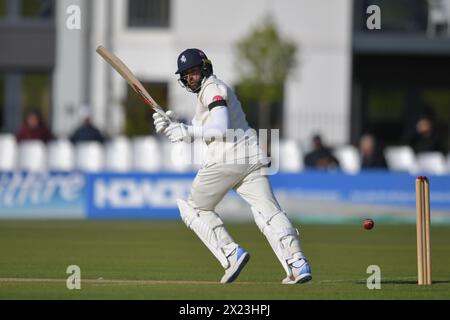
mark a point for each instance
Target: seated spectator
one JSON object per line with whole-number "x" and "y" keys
{"x": 371, "y": 155}
{"x": 86, "y": 131}
{"x": 33, "y": 128}
{"x": 321, "y": 156}
{"x": 425, "y": 138}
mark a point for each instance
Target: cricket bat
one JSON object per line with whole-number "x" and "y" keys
{"x": 126, "y": 73}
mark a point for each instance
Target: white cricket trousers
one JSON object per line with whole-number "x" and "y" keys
{"x": 214, "y": 181}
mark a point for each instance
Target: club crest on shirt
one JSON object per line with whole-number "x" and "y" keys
{"x": 218, "y": 98}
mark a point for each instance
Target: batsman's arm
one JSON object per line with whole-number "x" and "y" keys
{"x": 218, "y": 125}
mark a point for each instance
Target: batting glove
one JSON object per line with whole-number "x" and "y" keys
{"x": 161, "y": 123}
{"x": 176, "y": 132}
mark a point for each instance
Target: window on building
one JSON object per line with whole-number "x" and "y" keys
{"x": 438, "y": 102}
{"x": 385, "y": 111}
{"x": 36, "y": 93}
{"x": 3, "y": 8}
{"x": 385, "y": 105}
{"x": 389, "y": 96}
{"x": 37, "y": 8}
{"x": 21, "y": 92}
{"x": 139, "y": 116}
{"x": 27, "y": 9}
{"x": 149, "y": 13}
{"x": 392, "y": 112}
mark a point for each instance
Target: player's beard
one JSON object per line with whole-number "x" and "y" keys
{"x": 195, "y": 86}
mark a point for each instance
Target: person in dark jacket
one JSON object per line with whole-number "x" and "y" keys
{"x": 320, "y": 157}
{"x": 426, "y": 138}
{"x": 372, "y": 156}
{"x": 86, "y": 132}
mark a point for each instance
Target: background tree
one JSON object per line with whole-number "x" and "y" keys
{"x": 263, "y": 61}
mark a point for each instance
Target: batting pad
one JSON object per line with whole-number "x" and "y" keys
{"x": 282, "y": 237}
{"x": 210, "y": 229}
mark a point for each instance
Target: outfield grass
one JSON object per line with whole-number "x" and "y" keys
{"x": 164, "y": 260}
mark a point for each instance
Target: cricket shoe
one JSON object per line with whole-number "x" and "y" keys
{"x": 301, "y": 272}
{"x": 237, "y": 260}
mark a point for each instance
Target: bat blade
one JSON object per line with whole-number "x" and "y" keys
{"x": 128, "y": 75}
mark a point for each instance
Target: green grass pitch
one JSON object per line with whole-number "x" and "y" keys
{"x": 165, "y": 260}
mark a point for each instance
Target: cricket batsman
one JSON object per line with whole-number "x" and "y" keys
{"x": 218, "y": 113}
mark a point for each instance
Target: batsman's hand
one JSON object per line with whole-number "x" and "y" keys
{"x": 161, "y": 123}
{"x": 177, "y": 131}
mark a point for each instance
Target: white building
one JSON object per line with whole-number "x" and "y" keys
{"x": 317, "y": 95}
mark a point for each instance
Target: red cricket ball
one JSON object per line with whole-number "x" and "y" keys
{"x": 368, "y": 224}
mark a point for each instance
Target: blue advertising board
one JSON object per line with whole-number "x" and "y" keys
{"x": 136, "y": 196}
{"x": 318, "y": 197}
{"x": 42, "y": 195}
{"x": 369, "y": 187}
{"x": 312, "y": 196}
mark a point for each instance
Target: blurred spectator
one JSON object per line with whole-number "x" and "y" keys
{"x": 425, "y": 138}
{"x": 371, "y": 154}
{"x": 321, "y": 156}
{"x": 33, "y": 128}
{"x": 86, "y": 131}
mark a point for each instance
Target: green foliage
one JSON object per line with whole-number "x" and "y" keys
{"x": 264, "y": 60}
{"x": 2, "y": 8}
{"x": 36, "y": 93}
{"x": 37, "y": 8}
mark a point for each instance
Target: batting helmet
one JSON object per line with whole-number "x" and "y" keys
{"x": 194, "y": 57}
